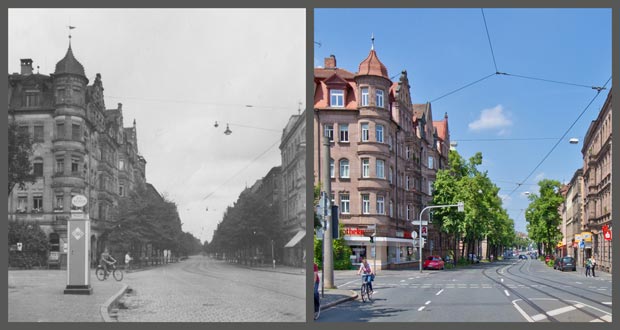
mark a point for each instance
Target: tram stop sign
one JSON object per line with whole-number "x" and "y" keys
{"x": 461, "y": 206}
{"x": 582, "y": 244}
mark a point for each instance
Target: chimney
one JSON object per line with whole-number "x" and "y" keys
{"x": 26, "y": 66}
{"x": 330, "y": 62}
{"x": 120, "y": 106}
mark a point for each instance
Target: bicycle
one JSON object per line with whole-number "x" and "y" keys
{"x": 365, "y": 291}
{"x": 102, "y": 274}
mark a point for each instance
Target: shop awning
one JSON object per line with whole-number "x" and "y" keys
{"x": 300, "y": 234}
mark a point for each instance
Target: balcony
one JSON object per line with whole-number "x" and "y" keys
{"x": 62, "y": 144}
{"x": 372, "y": 184}
{"x": 75, "y": 179}
{"x": 365, "y": 148}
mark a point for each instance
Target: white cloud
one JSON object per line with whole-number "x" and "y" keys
{"x": 539, "y": 177}
{"x": 494, "y": 118}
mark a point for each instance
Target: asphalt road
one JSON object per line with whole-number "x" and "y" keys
{"x": 201, "y": 289}
{"x": 504, "y": 291}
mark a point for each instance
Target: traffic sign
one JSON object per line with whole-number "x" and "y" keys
{"x": 461, "y": 206}
{"x": 607, "y": 235}
{"x": 417, "y": 222}
{"x": 424, "y": 231}
{"x": 582, "y": 244}
{"x": 414, "y": 234}
{"x": 79, "y": 200}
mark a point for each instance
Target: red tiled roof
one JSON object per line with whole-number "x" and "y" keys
{"x": 372, "y": 66}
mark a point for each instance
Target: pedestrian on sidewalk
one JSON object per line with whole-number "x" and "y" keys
{"x": 317, "y": 298}
{"x": 592, "y": 265}
{"x": 588, "y": 266}
{"x": 128, "y": 260}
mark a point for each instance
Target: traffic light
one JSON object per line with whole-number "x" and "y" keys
{"x": 335, "y": 228}
{"x": 372, "y": 239}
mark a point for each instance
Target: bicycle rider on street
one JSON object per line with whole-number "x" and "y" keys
{"x": 106, "y": 259}
{"x": 367, "y": 273}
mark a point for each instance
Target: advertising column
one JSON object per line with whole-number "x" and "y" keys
{"x": 78, "y": 256}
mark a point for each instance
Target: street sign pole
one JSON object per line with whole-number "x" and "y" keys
{"x": 78, "y": 259}
{"x": 328, "y": 254}
{"x": 460, "y": 206}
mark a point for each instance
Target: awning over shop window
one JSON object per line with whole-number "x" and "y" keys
{"x": 300, "y": 234}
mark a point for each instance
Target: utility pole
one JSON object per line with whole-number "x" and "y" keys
{"x": 328, "y": 253}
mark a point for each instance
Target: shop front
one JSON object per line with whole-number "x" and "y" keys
{"x": 383, "y": 252}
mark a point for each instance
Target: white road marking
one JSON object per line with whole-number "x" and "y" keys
{"x": 606, "y": 318}
{"x": 560, "y": 310}
{"x": 350, "y": 282}
{"x": 421, "y": 308}
{"x": 411, "y": 278}
{"x": 438, "y": 293}
{"x": 539, "y": 317}
{"x": 602, "y": 289}
{"x": 501, "y": 279}
{"x": 506, "y": 292}
{"x": 597, "y": 320}
{"x": 578, "y": 282}
{"x": 428, "y": 302}
{"x": 523, "y": 313}
{"x": 402, "y": 280}
{"x": 607, "y": 302}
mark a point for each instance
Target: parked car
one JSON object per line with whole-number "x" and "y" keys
{"x": 548, "y": 257}
{"x": 433, "y": 262}
{"x": 565, "y": 263}
{"x": 473, "y": 258}
{"x": 522, "y": 256}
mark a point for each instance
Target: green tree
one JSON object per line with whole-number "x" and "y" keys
{"x": 342, "y": 251}
{"x": 20, "y": 152}
{"x": 543, "y": 217}
{"x": 35, "y": 245}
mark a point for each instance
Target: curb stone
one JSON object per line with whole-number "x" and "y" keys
{"x": 104, "y": 310}
{"x": 353, "y": 296}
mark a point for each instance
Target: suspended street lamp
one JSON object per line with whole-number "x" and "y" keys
{"x": 227, "y": 131}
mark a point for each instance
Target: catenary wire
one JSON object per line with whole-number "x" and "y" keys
{"x": 489, "y": 37}
{"x": 551, "y": 81}
{"x": 458, "y": 89}
{"x": 241, "y": 170}
{"x": 598, "y": 92}
{"x": 196, "y": 102}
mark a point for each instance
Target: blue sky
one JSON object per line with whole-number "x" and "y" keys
{"x": 445, "y": 49}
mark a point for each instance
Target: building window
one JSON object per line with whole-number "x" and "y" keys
{"x": 75, "y": 132}
{"x": 344, "y": 132}
{"x": 336, "y": 97}
{"x": 37, "y": 204}
{"x": 365, "y": 167}
{"x": 60, "y": 203}
{"x": 430, "y": 162}
{"x": 31, "y": 99}
{"x": 408, "y": 212}
{"x": 391, "y": 175}
{"x": 390, "y": 141}
{"x": 332, "y": 173}
{"x": 60, "y": 165}
{"x": 365, "y": 204}
{"x": 380, "y": 169}
{"x": 60, "y": 130}
{"x": 379, "y": 131}
{"x": 22, "y": 202}
{"x": 38, "y": 133}
{"x": 75, "y": 165}
{"x": 379, "y": 98}
{"x": 391, "y": 208}
{"x": 23, "y": 130}
{"x": 121, "y": 190}
{"x": 430, "y": 187}
{"x": 365, "y": 134}
{"x": 344, "y": 203}
{"x": 380, "y": 205}
{"x": 364, "y": 96}
{"x": 344, "y": 168}
{"x": 407, "y": 183}
{"x": 38, "y": 167}
{"x": 408, "y": 153}
{"x": 329, "y": 131}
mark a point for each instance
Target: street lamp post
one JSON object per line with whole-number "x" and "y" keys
{"x": 273, "y": 258}
{"x": 460, "y": 205}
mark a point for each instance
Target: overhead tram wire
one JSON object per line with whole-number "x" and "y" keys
{"x": 504, "y": 139}
{"x": 489, "y": 38}
{"x": 197, "y": 102}
{"x": 458, "y": 89}
{"x": 597, "y": 88}
{"x": 241, "y": 170}
{"x": 598, "y": 91}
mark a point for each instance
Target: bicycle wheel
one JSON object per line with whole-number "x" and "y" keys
{"x": 118, "y": 274}
{"x": 368, "y": 293}
{"x": 363, "y": 292}
{"x": 100, "y": 273}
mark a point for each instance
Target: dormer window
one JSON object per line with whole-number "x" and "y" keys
{"x": 336, "y": 97}
{"x": 379, "y": 98}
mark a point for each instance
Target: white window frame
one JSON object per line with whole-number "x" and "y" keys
{"x": 365, "y": 132}
{"x": 336, "y": 98}
{"x": 328, "y": 130}
{"x": 343, "y": 130}
{"x": 380, "y": 204}
{"x": 365, "y": 203}
{"x": 431, "y": 162}
{"x": 332, "y": 168}
{"x": 408, "y": 211}
{"x": 407, "y": 183}
{"x": 391, "y": 175}
{"x": 379, "y": 133}
{"x": 365, "y": 94}
{"x": 380, "y": 167}
{"x": 391, "y": 208}
{"x": 365, "y": 167}
{"x": 345, "y": 203}
{"x": 344, "y": 166}
{"x": 379, "y": 98}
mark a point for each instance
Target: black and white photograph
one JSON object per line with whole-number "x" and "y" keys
{"x": 157, "y": 165}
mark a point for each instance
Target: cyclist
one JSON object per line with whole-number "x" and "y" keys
{"x": 367, "y": 272}
{"x": 106, "y": 259}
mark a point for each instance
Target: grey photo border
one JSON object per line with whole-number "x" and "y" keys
{"x": 309, "y": 6}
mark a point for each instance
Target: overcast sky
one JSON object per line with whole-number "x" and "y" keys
{"x": 177, "y": 72}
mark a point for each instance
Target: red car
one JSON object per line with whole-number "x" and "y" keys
{"x": 549, "y": 257}
{"x": 433, "y": 262}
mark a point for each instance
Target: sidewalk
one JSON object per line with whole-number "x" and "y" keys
{"x": 38, "y": 296}
{"x": 332, "y": 297}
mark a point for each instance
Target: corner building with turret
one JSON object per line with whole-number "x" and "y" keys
{"x": 80, "y": 147}
{"x": 385, "y": 152}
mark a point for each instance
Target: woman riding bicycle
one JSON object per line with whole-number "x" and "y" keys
{"x": 368, "y": 275}
{"x": 106, "y": 259}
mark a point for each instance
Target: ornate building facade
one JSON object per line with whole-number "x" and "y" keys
{"x": 80, "y": 147}
{"x": 381, "y": 146}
